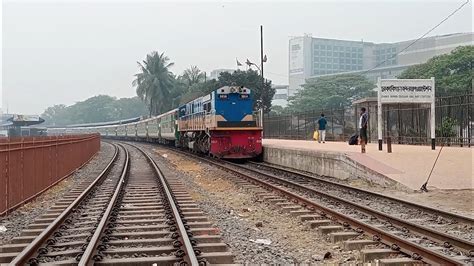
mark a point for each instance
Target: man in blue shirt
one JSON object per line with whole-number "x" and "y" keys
{"x": 322, "y": 129}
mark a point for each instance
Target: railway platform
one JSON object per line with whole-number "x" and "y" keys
{"x": 408, "y": 166}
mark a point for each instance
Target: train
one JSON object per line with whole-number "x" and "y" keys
{"x": 221, "y": 124}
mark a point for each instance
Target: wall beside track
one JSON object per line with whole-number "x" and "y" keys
{"x": 326, "y": 163}
{"x": 31, "y": 165}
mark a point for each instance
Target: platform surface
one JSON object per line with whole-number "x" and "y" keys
{"x": 407, "y": 164}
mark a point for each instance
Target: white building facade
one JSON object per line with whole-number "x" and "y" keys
{"x": 311, "y": 57}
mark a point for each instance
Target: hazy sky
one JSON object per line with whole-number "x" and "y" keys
{"x": 64, "y": 52}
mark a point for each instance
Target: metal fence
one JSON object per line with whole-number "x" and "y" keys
{"x": 31, "y": 165}
{"x": 403, "y": 123}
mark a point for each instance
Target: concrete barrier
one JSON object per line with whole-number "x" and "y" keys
{"x": 326, "y": 163}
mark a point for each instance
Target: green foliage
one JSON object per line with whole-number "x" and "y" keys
{"x": 452, "y": 72}
{"x": 161, "y": 90}
{"x": 155, "y": 82}
{"x": 332, "y": 92}
{"x": 252, "y": 80}
{"x": 101, "y": 108}
{"x": 199, "y": 89}
{"x": 446, "y": 128}
{"x": 192, "y": 76}
{"x": 278, "y": 110}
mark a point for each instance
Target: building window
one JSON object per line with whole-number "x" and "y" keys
{"x": 354, "y": 49}
{"x": 323, "y": 47}
{"x": 348, "y": 61}
{"x": 354, "y": 61}
{"x": 359, "y": 55}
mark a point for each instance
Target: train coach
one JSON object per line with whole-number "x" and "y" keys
{"x": 221, "y": 124}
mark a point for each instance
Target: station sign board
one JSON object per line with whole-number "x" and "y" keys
{"x": 406, "y": 90}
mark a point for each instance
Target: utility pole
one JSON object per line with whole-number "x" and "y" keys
{"x": 261, "y": 57}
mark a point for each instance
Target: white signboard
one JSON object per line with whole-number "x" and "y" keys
{"x": 406, "y": 90}
{"x": 296, "y": 56}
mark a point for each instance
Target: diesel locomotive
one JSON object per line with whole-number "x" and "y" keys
{"x": 221, "y": 124}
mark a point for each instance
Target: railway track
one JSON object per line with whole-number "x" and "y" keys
{"x": 348, "y": 221}
{"x": 129, "y": 214}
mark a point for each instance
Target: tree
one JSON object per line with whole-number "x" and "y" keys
{"x": 101, "y": 108}
{"x": 55, "y": 114}
{"x": 154, "y": 82}
{"x": 199, "y": 89}
{"x": 329, "y": 92}
{"x": 193, "y": 76}
{"x": 128, "y": 108}
{"x": 452, "y": 72}
{"x": 251, "y": 79}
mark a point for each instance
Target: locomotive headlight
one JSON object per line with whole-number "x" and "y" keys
{"x": 222, "y": 96}
{"x": 244, "y": 96}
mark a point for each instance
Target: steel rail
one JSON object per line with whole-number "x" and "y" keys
{"x": 454, "y": 216}
{"x": 463, "y": 244}
{"x": 88, "y": 254}
{"x": 29, "y": 251}
{"x": 395, "y": 242}
{"x": 190, "y": 256}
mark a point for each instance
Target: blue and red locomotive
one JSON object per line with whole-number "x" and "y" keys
{"x": 221, "y": 124}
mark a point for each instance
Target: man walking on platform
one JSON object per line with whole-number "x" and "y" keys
{"x": 363, "y": 121}
{"x": 322, "y": 129}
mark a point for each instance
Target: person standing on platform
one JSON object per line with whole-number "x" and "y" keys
{"x": 322, "y": 128}
{"x": 363, "y": 121}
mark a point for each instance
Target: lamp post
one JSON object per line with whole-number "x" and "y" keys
{"x": 263, "y": 59}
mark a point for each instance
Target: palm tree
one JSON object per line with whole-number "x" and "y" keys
{"x": 154, "y": 82}
{"x": 193, "y": 76}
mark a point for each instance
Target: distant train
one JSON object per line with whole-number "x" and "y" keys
{"x": 221, "y": 124}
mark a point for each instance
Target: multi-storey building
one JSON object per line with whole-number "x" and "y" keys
{"x": 314, "y": 57}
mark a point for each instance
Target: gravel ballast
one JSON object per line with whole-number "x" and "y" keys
{"x": 256, "y": 231}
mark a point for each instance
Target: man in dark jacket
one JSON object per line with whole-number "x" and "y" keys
{"x": 322, "y": 129}
{"x": 363, "y": 122}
